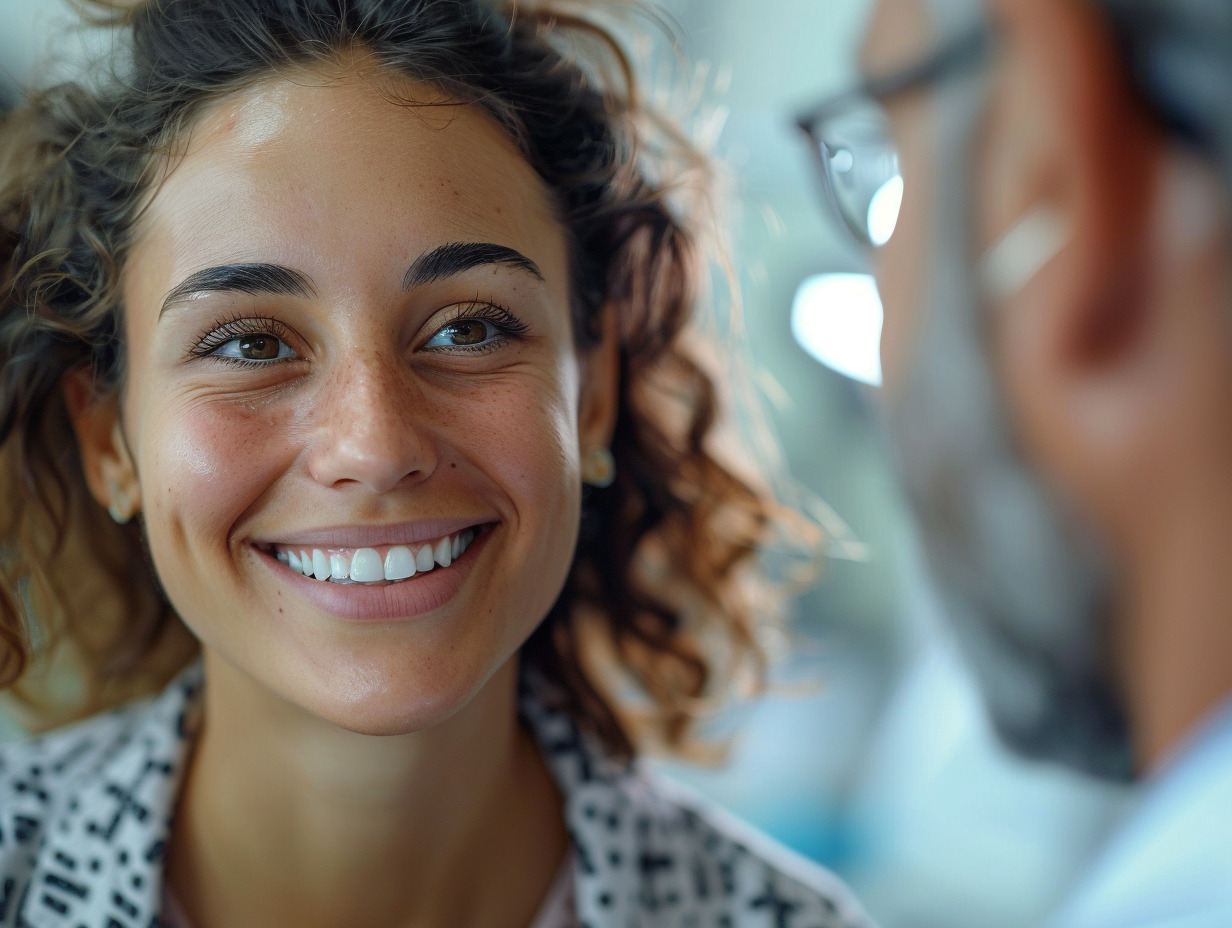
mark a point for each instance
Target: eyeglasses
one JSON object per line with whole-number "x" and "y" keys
{"x": 850, "y": 139}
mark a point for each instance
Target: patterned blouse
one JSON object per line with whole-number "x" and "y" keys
{"x": 85, "y": 815}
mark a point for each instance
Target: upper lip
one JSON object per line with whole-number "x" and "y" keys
{"x": 370, "y": 536}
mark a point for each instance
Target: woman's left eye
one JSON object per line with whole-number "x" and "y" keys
{"x": 258, "y": 347}
{"x": 467, "y": 334}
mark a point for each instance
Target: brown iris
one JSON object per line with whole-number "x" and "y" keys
{"x": 259, "y": 348}
{"x": 466, "y": 332}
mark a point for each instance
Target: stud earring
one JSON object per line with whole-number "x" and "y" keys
{"x": 120, "y": 509}
{"x": 599, "y": 467}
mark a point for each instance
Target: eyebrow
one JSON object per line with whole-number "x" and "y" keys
{"x": 241, "y": 278}
{"x": 459, "y": 257}
{"x": 441, "y": 262}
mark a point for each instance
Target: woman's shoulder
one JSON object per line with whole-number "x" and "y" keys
{"x": 649, "y": 853}
{"x": 36, "y": 771}
{"x": 85, "y": 803}
{"x": 679, "y": 858}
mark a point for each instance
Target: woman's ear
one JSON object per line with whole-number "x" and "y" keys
{"x": 599, "y": 403}
{"x": 109, "y": 470}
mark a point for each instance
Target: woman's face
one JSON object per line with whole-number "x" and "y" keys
{"x": 349, "y": 344}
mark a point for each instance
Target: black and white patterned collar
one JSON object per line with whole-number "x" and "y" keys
{"x": 108, "y": 820}
{"x": 87, "y": 816}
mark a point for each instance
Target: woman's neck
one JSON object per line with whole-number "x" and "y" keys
{"x": 287, "y": 819}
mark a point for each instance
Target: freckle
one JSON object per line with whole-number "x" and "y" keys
{"x": 280, "y": 610}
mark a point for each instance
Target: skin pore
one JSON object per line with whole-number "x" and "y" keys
{"x": 363, "y": 771}
{"x": 1115, "y": 358}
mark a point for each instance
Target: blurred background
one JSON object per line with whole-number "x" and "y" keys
{"x": 884, "y": 768}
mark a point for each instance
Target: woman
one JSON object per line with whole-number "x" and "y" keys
{"x": 333, "y": 308}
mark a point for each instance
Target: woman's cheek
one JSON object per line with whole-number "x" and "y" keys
{"x": 208, "y": 463}
{"x": 530, "y": 437}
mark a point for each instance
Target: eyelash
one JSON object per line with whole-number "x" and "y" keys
{"x": 225, "y": 330}
{"x": 506, "y": 323}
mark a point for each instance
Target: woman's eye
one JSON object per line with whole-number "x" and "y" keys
{"x": 257, "y": 347}
{"x": 465, "y": 333}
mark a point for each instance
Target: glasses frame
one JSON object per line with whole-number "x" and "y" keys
{"x": 969, "y": 49}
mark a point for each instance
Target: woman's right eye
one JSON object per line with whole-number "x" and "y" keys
{"x": 248, "y": 342}
{"x": 257, "y": 348}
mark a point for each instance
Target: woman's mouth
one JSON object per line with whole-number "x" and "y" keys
{"x": 375, "y": 566}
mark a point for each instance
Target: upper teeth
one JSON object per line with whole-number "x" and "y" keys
{"x": 365, "y": 565}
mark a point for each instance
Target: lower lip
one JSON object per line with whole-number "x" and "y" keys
{"x": 406, "y": 599}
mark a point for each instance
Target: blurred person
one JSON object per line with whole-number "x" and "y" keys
{"x": 315, "y": 320}
{"x": 1045, "y": 187}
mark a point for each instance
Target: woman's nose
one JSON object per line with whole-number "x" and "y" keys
{"x": 370, "y": 427}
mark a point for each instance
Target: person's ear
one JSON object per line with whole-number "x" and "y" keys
{"x": 1069, "y": 160}
{"x": 1069, "y": 165}
{"x": 599, "y": 403}
{"x": 109, "y": 470}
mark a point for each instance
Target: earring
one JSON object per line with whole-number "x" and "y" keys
{"x": 599, "y": 467}
{"x": 120, "y": 509}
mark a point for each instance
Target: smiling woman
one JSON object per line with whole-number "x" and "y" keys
{"x": 315, "y": 325}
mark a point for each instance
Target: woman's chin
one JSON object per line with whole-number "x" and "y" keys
{"x": 381, "y": 717}
{"x": 396, "y": 701}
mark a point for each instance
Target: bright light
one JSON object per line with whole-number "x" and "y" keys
{"x": 837, "y": 319}
{"x": 883, "y": 210}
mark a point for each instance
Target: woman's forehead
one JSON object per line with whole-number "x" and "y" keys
{"x": 332, "y": 171}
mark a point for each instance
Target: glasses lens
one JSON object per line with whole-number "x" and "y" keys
{"x": 862, "y": 178}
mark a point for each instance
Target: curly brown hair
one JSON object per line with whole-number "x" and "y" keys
{"x": 658, "y": 602}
